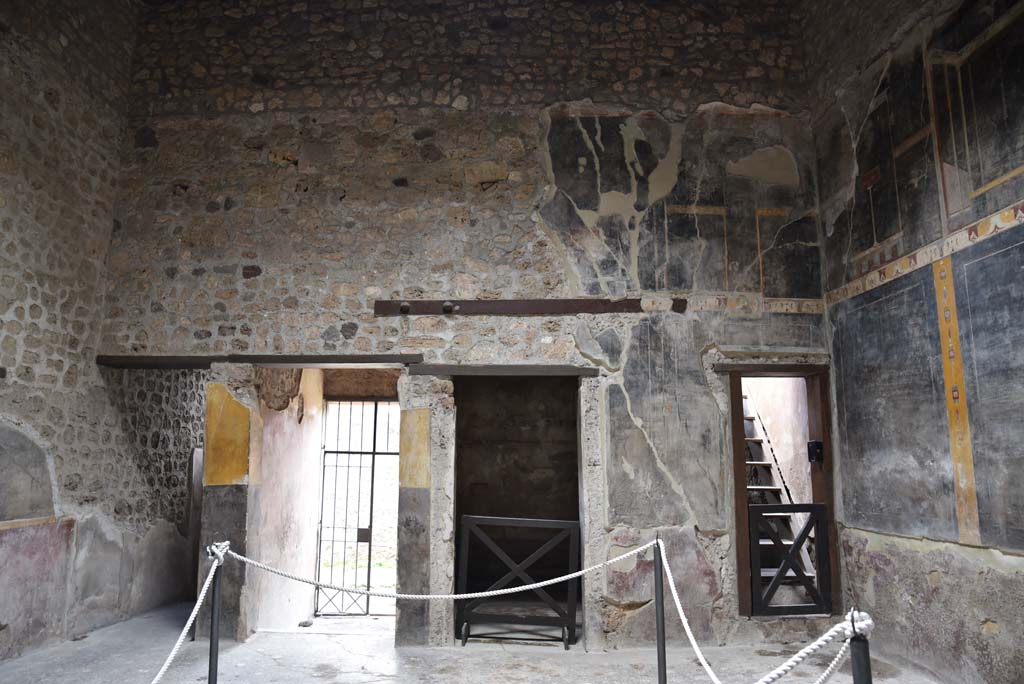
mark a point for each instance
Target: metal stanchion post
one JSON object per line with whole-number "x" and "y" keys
{"x": 860, "y": 658}
{"x": 215, "y": 624}
{"x": 659, "y": 613}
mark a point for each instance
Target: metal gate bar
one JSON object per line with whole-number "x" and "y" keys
{"x": 344, "y": 464}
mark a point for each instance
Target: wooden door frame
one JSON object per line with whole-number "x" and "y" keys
{"x": 819, "y": 428}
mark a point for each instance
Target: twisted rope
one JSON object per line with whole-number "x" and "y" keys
{"x": 216, "y": 552}
{"x": 834, "y": 665}
{"x": 856, "y": 622}
{"x": 441, "y": 597}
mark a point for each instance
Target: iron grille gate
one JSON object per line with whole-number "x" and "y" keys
{"x": 355, "y": 435}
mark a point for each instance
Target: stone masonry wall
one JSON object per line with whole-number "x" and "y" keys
{"x": 104, "y": 545}
{"x": 161, "y": 420}
{"x": 271, "y": 55}
{"x": 272, "y": 191}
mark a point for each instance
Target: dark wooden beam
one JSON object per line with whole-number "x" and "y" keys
{"x": 158, "y": 362}
{"x": 277, "y": 360}
{"x": 323, "y": 360}
{"x": 497, "y": 369}
{"x": 510, "y": 307}
{"x": 744, "y": 587}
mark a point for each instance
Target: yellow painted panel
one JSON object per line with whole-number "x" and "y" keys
{"x": 227, "y": 438}
{"x": 414, "y": 449}
{"x": 697, "y": 209}
{"x": 956, "y": 404}
{"x": 1005, "y": 178}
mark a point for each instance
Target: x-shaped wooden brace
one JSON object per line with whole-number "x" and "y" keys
{"x": 519, "y": 569}
{"x": 790, "y": 560}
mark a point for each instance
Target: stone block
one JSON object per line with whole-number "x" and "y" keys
{"x": 411, "y": 622}
{"x": 482, "y": 172}
{"x": 225, "y": 509}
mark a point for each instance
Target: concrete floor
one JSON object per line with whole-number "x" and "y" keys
{"x": 360, "y": 651}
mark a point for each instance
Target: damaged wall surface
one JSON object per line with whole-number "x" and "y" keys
{"x": 919, "y": 162}
{"x": 252, "y": 177}
{"x": 94, "y": 533}
{"x": 262, "y": 213}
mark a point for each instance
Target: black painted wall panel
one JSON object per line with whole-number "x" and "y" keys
{"x": 989, "y": 279}
{"x": 897, "y": 475}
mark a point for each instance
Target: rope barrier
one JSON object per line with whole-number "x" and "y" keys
{"x": 443, "y": 597}
{"x": 216, "y": 552}
{"x": 856, "y": 622}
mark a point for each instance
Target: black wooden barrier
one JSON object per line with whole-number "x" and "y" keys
{"x": 564, "y": 617}
{"x": 817, "y": 585}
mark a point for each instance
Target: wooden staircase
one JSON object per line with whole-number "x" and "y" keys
{"x": 765, "y": 485}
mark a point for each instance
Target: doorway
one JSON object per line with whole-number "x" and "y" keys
{"x": 358, "y": 524}
{"x": 786, "y": 538}
{"x": 517, "y": 492}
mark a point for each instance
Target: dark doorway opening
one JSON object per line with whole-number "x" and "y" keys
{"x": 516, "y": 456}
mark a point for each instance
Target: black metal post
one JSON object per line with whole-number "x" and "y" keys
{"x": 214, "y": 624}
{"x": 659, "y": 614}
{"x": 860, "y": 658}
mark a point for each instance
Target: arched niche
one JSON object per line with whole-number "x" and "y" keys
{"x": 26, "y": 488}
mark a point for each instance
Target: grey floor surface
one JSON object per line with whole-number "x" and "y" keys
{"x": 360, "y": 651}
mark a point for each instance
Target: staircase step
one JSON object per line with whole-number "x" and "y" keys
{"x": 769, "y": 542}
{"x": 763, "y": 464}
{"x": 749, "y": 418}
{"x": 769, "y": 573}
{"x": 763, "y": 488}
{"x": 755, "y": 440}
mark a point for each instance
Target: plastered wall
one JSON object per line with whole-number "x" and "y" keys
{"x": 919, "y": 161}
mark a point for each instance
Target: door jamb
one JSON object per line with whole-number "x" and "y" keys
{"x": 819, "y": 423}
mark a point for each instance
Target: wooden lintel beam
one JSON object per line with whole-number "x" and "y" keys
{"x": 511, "y": 307}
{"x": 771, "y": 370}
{"x": 517, "y": 370}
{"x": 158, "y": 362}
{"x": 200, "y": 362}
{"x": 324, "y": 360}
